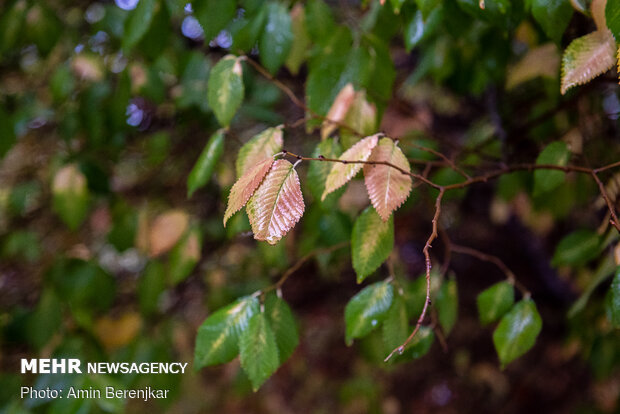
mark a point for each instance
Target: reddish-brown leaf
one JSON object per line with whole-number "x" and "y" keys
{"x": 166, "y": 231}
{"x": 260, "y": 147}
{"x": 587, "y": 57}
{"x": 277, "y": 204}
{"x": 338, "y": 110}
{"x": 387, "y": 187}
{"x": 245, "y": 186}
{"x": 341, "y": 173}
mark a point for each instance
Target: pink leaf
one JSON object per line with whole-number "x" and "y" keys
{"x": 341, "y": 173}
{"x": 338, "y": 110}
{"x": 277, "y": 205}
{"x": 387, "y": 187}
{"x": 245, "y": 186}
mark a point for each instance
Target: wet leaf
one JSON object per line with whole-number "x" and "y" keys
{"x": 225, "y": 88}
{"x": 318, "y": 171}
{"x": 138, "y": 23}
{"x": 541, "y": 61}
{"x": 517, "y": 331}
{"x": 587, "y": 57}
{"x": 553, "y": 16}
{"x": 276, "y": 40}
{"x": 245, "y": 186}
{"x": 494, "y": 302}
{"x": 283, "y": 324}
{"x": 366, "y": 310}
{"x": 447, "y": 304}
{"x": 277, "y": 205}
{"x": 372, "y": 241}
{"x": 301, "y": 40}
{"x": 395, "y": 325}
{"x": 612, "y": 18}
{"x": 577, "y": 248}
{"x": 258, "y": 350}
{"x": 185, "y": 256}
{"x": 213, "y": 16}
{"x": 342, "y": 173}
{"x": 203, "y": 169}
{"x": 387, "y": 187}
{"x": 259, "y": 148}
{"x": 218, "y": 336}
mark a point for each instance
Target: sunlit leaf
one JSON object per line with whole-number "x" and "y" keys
{"x": 225, "y": 88}
{"x": 338, "y": 110}
{"x": 258, "y": 350}
{"x": 447, "y": 304}
{"x": 301, "y": 40}
{"x": 245, "y": 186}
{"x": 366, "y": 310}
{"x": 372, "y": 241}
{"x": 341, "y": 173}
{"x": 517, "y": 331}
{"x": 259, "y": 148}
{"x": 218, "y": 336}
{"x": 587, "y": 57}
{"x": 70, "y": 196}
{"x": 166, "y": 230}
{"x": 556, "y": 153}
{"x": 387, "y": 187}
{"x": 203, "y": 169}
{"x": 577, "y": 248}
{"x": 494, "y": 302}
{"x": 277, "y": 205}
{"x": 276, "y": 40}
{"x": 283, "y": 324}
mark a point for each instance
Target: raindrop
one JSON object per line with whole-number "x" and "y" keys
{"x": 401, "y": 350}
{"x": 191, "y": 28}
{"x": 127, "y": 4}
{"x": 223, "y": 39}
{"x": 98, "y": 41}
{"x": 94, "y": 13}
{"x": 119, "y": 63}
{"x": 188, "y": 8}
{"x": 374, "y": 322}
{"x": 30, "y": 56}
{"x": 78, "y": 48}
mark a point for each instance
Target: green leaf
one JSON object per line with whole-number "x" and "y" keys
{"x": 320, "y": 21}
{"x": 283, "y": 324}
{"x": 366, "y": 310}
{"x": 612, "y": 17}
{"x": 138, "y": 23}
{"x": 151, "y": 285}
{"x": 556, "y": 153}
{"x": 258, "y": 350}
{"x": 71, "y": 197}
{"x": 318, "y": 172}
{"x": 553, "y": 16}
{"x": 612, "y": 302}
{"x": 214, "y": 15}
{"x": 495, "y": 301}
{"x": 427, "y": 6}
{"x": 46, "y": 320}
{"x": 517, "y": 331}
{"x": 259, "y": 148}
{"x": 577, "y": 248}
{"x": 225, "y": 88}
{"x": 419, "y": 345}
{"x": 447, "y": 303}
{"x": 203, "y": 169}
{"x": 218, "y": 336}
{"x": 605, "y": 269}
{"x": 184, "y": 256}
{"x": 301, "y": 40}
{"x": 371, "y": 242}
{"x": 276, "y": 40}
{"x": 395, "y": 325}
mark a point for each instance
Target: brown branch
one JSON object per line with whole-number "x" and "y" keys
{"x": 447, "y": 160}
{"x": 300, "y": 262}
{"x": 614, "y": 218}
{"x": 510, "y": 276}
{"x": 427, "y": 257}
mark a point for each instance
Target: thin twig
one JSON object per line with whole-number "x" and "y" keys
{"x": 300, "y": 262}
{"x": 510, "y": 276}
{"x": 427, "y": 257}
